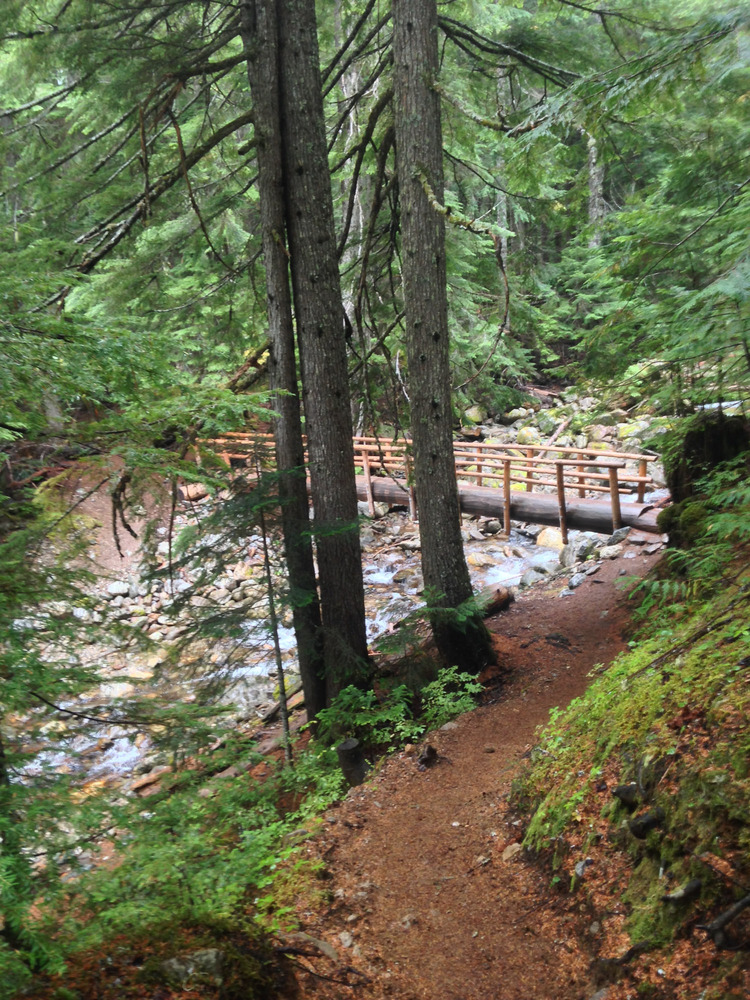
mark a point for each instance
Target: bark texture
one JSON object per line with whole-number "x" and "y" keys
{"x": 419, "y": 149}
{"x": 259, "y": 35}
{"x": 320, "y": 336}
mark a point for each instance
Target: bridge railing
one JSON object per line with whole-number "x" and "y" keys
{"x": 548, "y": 468}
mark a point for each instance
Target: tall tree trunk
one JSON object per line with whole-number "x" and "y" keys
{"x": 320, "y": 336}
{"x": 419, "y": 148}
{"x": 259, "y": 35}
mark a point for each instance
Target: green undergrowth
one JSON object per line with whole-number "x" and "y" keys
{"x": 211, "y": 848}
{"x": 669, "y": 716}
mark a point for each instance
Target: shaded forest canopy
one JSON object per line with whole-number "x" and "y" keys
{"x": 211, "y": 214}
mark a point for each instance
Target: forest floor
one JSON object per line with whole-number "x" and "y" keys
{"x": 431, "y": 894}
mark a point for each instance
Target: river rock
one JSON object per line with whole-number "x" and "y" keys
{"x": 609, "y": 551}
{"x": 519, "y": 413}
{"x": 528, "y": 435}
{"x": 493, "y": 526}
{"x": 550, "y": 538}
{"x": 634, "y": 429}
{"x": 612, "y": 418}
{"x": 381, "y": 509}
{"x": 577, "y": 551}
{"x": 576, "y": 580}
{"x": 546, "y": 424}
{"x": 475, "y": 415}
{"x": 531, "y": 576}
{"x": 599, "y": 433}
{"x": 480, "y": 559}
{"x": 118, "y": 588}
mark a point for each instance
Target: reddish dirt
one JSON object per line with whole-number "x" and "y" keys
{"x": 427, "y": 902}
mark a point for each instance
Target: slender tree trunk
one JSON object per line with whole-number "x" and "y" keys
{"x": 596, "y": 192}
{"x": 259, "y": 35}
{"x": 419, "y": 148}
{"x": 320, "y": 336}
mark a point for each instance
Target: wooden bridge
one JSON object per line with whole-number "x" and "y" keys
{"x": 586, "y": 488}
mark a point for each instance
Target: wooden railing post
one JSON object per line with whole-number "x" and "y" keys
{"x": 642, "y": 472}
{"x": 560, "y": 474}
{"x": 368, "y": 482}
{"x": 614, "y": 492}
{"x": 529, "y": 474}
{"x": 480, "y": 481}
{"x": 581, "y": 478}
{"x": 506, "y": 496}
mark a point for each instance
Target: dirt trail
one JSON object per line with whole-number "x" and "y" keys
{"x": 427, "y": 900}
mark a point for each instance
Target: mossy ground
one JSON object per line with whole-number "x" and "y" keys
{"x": 670, "y": 716}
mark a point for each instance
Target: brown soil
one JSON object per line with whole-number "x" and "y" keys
{"x": 427, "y": 899}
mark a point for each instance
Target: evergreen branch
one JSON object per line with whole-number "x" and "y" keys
{"x": 191, "y": 195}
{"x": 481, "y": 43}
{"x": 503, "y": 326}
{"x": 377, "y": 201}
{"x": 694, "y": 232}
{"x": 207, "y": 68}
{"x": 68, "y": 156}
{"x": 62, "y": 92}
{"x": 355, "y": 53}
{"x": 351, "y": 103}
{"x": 92, "y": 718}
{"x": 115, "y": 234}
{"x": 602, "y": 13}
{"x": 454, "y": 218}
{"x": 359, "y": 24}
{"x": 376, "y": 112}
{"x": 491, "y": 123}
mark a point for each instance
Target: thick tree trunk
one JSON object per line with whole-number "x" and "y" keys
{"x": 419, "y": 148}
{"x": 259, "y": 35}
{"x": 322, "y": 346}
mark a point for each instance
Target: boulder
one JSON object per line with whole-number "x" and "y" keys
{"x": 519, "y": 413}
{"x": 118, "y": 588}
{"x": 550, "y": 538}
{"x": 528, "y": 435}
{"x": 475, "y": 415}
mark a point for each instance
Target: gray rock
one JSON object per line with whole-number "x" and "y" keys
{"x": 576, "y": 580}
{"x": 577, "y": 551}
{"x": 528, "y": 435}
{"x": 610, "y": 551}
{"x": 82, "y": 614}
{"x": 618, "y": 536}
{"x": 118, "y": 588}
{"x": 530, "y": 577}
{"x": 346, "y": 939}
{"x": 581, "y": 866}
{"x": 519, "y": 413}
{"x": 493, "y": 526}
{"x": 204, "y": 967}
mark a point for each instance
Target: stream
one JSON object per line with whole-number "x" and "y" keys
{"x": 243, "y": 669}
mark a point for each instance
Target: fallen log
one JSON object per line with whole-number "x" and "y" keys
{"x": 537, "y": 508}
